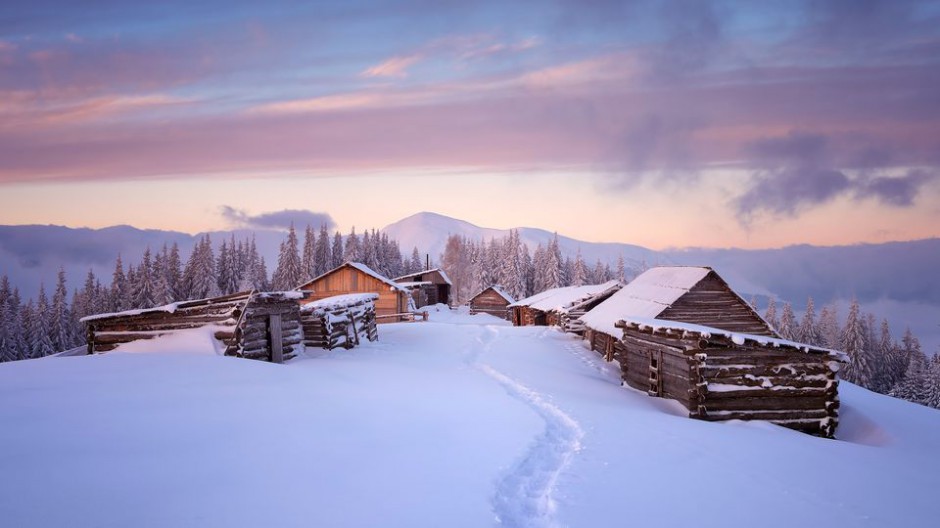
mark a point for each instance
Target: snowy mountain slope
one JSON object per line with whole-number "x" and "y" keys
{"x": 461, "y": 421}
{"x": 429, "y": 231}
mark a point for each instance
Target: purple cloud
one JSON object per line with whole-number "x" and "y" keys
{"x": 299, "y": 218}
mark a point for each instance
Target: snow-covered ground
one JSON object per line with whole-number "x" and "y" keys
{"x": 460, "y": 421}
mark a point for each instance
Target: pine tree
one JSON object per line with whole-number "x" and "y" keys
{"x": 808, "y": 331}
{"x": 787, "y": 328}
{"x": 415, "y": 263}
{"x": 174, "y": 275}
{"x": 579, "y": 277}
{"x": 323, "y": 257}
{"x": 338, "y": 251}
{"x": 829, "y": 326}
{"x": 199, "y": 277}
{"x": 554, "y": 278}
{"x": 118, "y": 287}
{"x": 860, "y": 370}
{"x": 8, "y": 317}
{"x": 289, "y": 271}
{"x": 39, "y": 338}
{"x": 352, "y": 252}
{"x": 913, "y": 387}
{"x": 60, "y": 317}
{"x": 143, "y": 286}
{"x": 308, "y": 262}
{"x": 895, "y": 360}
{"x": 771, "y": 314}
{"x": 932, "y": 392}
{"x": 621, "y": 270}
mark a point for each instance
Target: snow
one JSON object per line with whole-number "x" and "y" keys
{"x": 167, "y": 308}
{"x": 657, "y": 325}
{"x": 459, "y": 421}
{"x": 561, "y": 298}
{"x": 645, "y": 296}
{"x": 339, "y": 301}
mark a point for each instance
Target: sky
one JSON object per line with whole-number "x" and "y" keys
{"x": 660, "y": 123}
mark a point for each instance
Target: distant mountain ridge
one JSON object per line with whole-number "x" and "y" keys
{"x": 897, "y": 280}
{"x": 429, "y": 231}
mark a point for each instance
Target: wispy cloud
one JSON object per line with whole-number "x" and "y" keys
{"x": 396, "y": 67}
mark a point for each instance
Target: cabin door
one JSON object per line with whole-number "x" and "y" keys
{"x": 655, "y": 373}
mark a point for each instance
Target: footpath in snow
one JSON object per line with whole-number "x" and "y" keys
{"x": 460, "y": 421}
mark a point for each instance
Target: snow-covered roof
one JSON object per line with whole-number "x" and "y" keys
{"x": 614, "y": 287}
{"x": 499, "y": 291}
{"x": 415, "y": 274}
{"x": 561, "y": 298}
{"x": 654, "y": 325}
{"x": 646, "y": 296}
{"x": 414, "y": 284}
{"x": 361, "y": 267}
{"x": 338, "y": 301}
{"x": 172, "y": 307}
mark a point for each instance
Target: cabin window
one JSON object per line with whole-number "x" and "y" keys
{"x": 354, "y": 282}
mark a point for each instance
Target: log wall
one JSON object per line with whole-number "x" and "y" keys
{"x": 339, "y": 326}
{"x": 722, "y": 381}
{"x": 245, "y": 316}
{"x": 712, "y": 303}
{"x": 490, "y": 302}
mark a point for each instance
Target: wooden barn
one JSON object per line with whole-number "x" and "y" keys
{"x": 340, "y": 321}
{"x": 683, "y": 333}
{"x": 253, "y": 325}
{"x": 545, "y": 308}
{"x": 393, "y": 303}
{"x": 427, "y": 287}
{"x": 493, "y": 301}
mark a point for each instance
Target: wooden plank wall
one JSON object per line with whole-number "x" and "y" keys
{"x": 491, "y": 303}
{"x": 712, "y": 303}
{"x": 341, "y": 326}
{"x": 350, "y": 280}
{"x": 791, "y": 388}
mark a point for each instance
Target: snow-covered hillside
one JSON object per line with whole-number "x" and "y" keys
{"x": 460, "y": 421}
{"x": 429, "y": 231}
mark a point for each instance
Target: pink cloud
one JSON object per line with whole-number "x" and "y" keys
{"x": 393, "y": 67}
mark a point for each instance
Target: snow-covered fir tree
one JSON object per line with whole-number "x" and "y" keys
{"x": 323, "y": 256}
{"x": 808, "y": 331}
{"x": 353, "y": 251}
{"x": 143, "y": 286}
{"x": 338, "y": 250}
{"x": 308, "y": 260}
{"x": 119, "y": 293}
{"x": 861, "y": 368}
{"x": 289, "y": 271}
{"x": 40, "y": 342}
{"x": 60, "y": 317}
{"x": 771, "y": 314}
{"x": 787, "y": 327}
{"x": 621, "y": 270}
{"x": 829, "y": 326}
{"x": 579, "y": 272}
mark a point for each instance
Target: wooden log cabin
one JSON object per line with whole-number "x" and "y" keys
{"x": 683, "y": 333}
{"x": 340, "y": 321}
{"x": 493, "y": 301}
{"x": 569, "y": 319}
{"x": 393, "y": 303}
{"x": 427, "y": 287}
{"x": 545, "y": 308}
{"x": 253, "y": 325}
